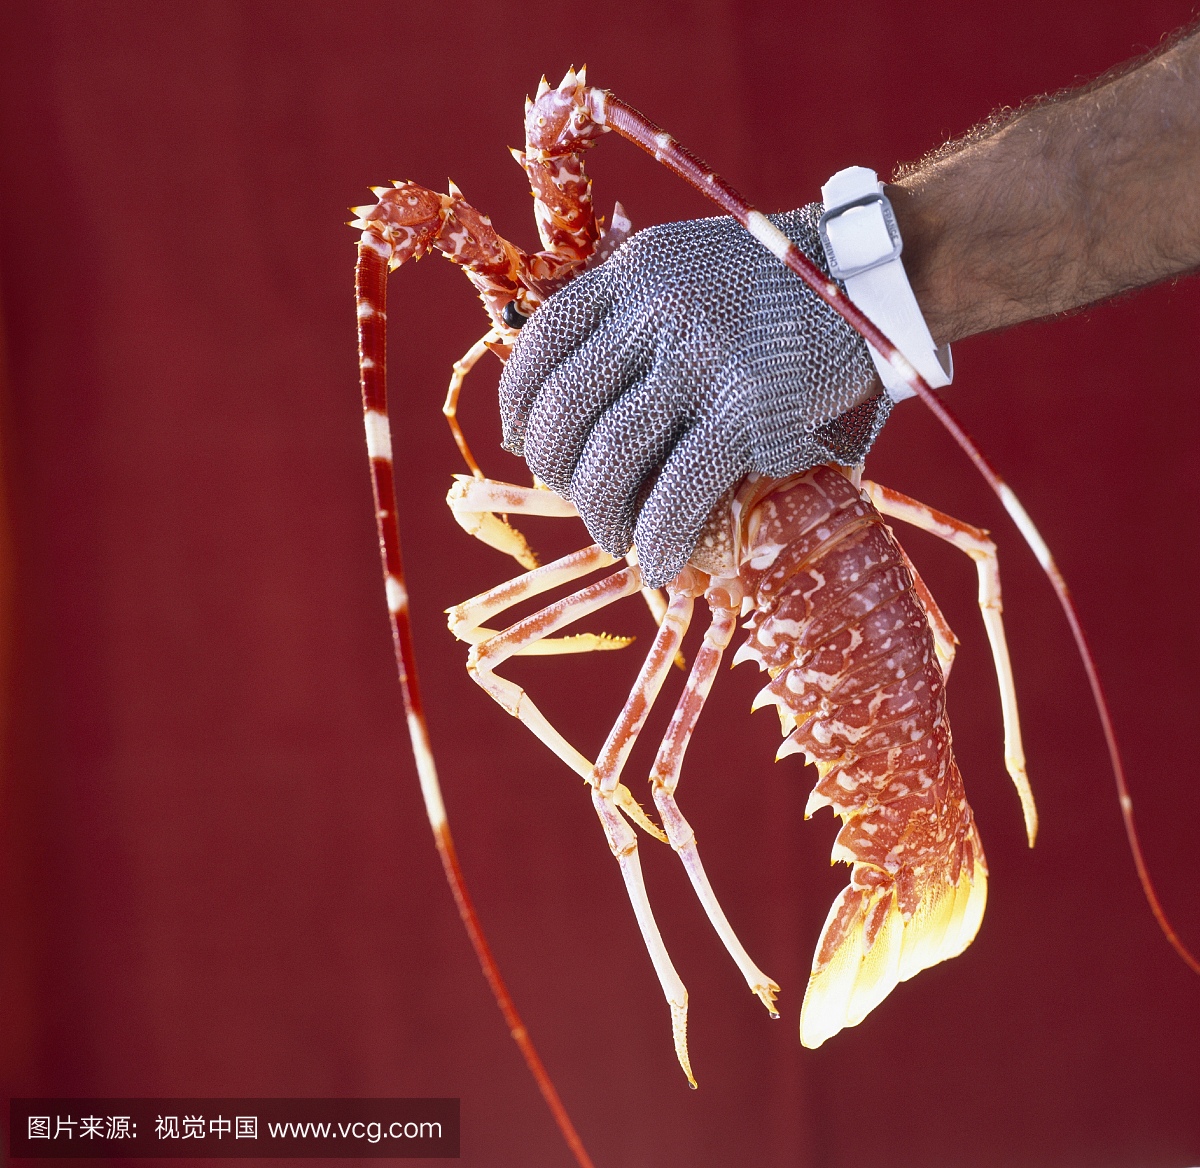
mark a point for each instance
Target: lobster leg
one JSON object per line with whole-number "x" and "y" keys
{"x": 462, "y": 367}
{"x": 664, "y": 778}
{"x": 483, "y": 513}
{"x": 491, "y": 648}
{"x": 477, "y": 504}
{"x": 464, "y": 618}
{"x": 976, "y": 543}
{"x": 621, "y": 839}
{"x": 609, "y": 796}
{"x": 945, "y": 643}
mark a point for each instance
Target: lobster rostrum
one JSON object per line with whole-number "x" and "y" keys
{"x": 855, "y": 648}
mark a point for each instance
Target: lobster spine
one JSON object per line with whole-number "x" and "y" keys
{"x": 560, "y": 124}
{"x": 410, "y": 220}
{"x": 846, "y": 641}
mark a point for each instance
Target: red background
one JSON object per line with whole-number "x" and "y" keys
{"x": 216, "y": 875}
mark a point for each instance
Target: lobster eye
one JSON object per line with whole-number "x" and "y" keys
{"x": 513, "y": 316}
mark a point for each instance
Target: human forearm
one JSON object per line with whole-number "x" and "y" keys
{"x": 1065, "y": 203}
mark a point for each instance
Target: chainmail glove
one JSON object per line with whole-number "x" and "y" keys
{"x": 650, "y": 385}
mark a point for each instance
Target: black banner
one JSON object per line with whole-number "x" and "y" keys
{"x": 233, "y": 1128}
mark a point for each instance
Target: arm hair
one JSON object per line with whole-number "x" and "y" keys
{"x": 1069, "y": 199}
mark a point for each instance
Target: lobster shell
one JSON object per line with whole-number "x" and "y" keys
{"x": 854, "y": 672}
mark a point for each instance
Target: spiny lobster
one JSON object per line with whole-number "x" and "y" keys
{"x": 855, "y": 647}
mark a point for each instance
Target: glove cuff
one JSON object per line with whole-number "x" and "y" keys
{"x": 862, "y": 245}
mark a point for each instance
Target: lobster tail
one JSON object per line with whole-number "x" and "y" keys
{"x": 918, "y": 884}
{"x": 856, "y": 677}
{"x": 870, "y": 943}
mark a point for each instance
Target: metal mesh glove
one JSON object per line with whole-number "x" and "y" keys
{"x": 694, "y": 353}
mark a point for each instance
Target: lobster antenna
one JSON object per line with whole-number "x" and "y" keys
{"x": 370, "y": 286}
{"x": 631, "y": 124}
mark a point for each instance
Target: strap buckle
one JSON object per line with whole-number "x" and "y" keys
{"x": 859, "y": 235}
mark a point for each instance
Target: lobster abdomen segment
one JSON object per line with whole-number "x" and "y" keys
{"x": 861, "y": 694}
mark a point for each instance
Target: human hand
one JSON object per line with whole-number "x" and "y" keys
{"x": 650, "y": 385}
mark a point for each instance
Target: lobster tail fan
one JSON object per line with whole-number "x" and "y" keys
{"x": 868, "y": 947}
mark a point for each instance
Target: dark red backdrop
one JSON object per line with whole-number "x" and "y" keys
{"x": 216, "y": 875}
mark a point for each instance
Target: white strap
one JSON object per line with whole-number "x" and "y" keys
{"x": 862, "y": 245}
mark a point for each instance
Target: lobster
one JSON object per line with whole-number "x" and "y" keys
{"x": 856, "y": 651}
